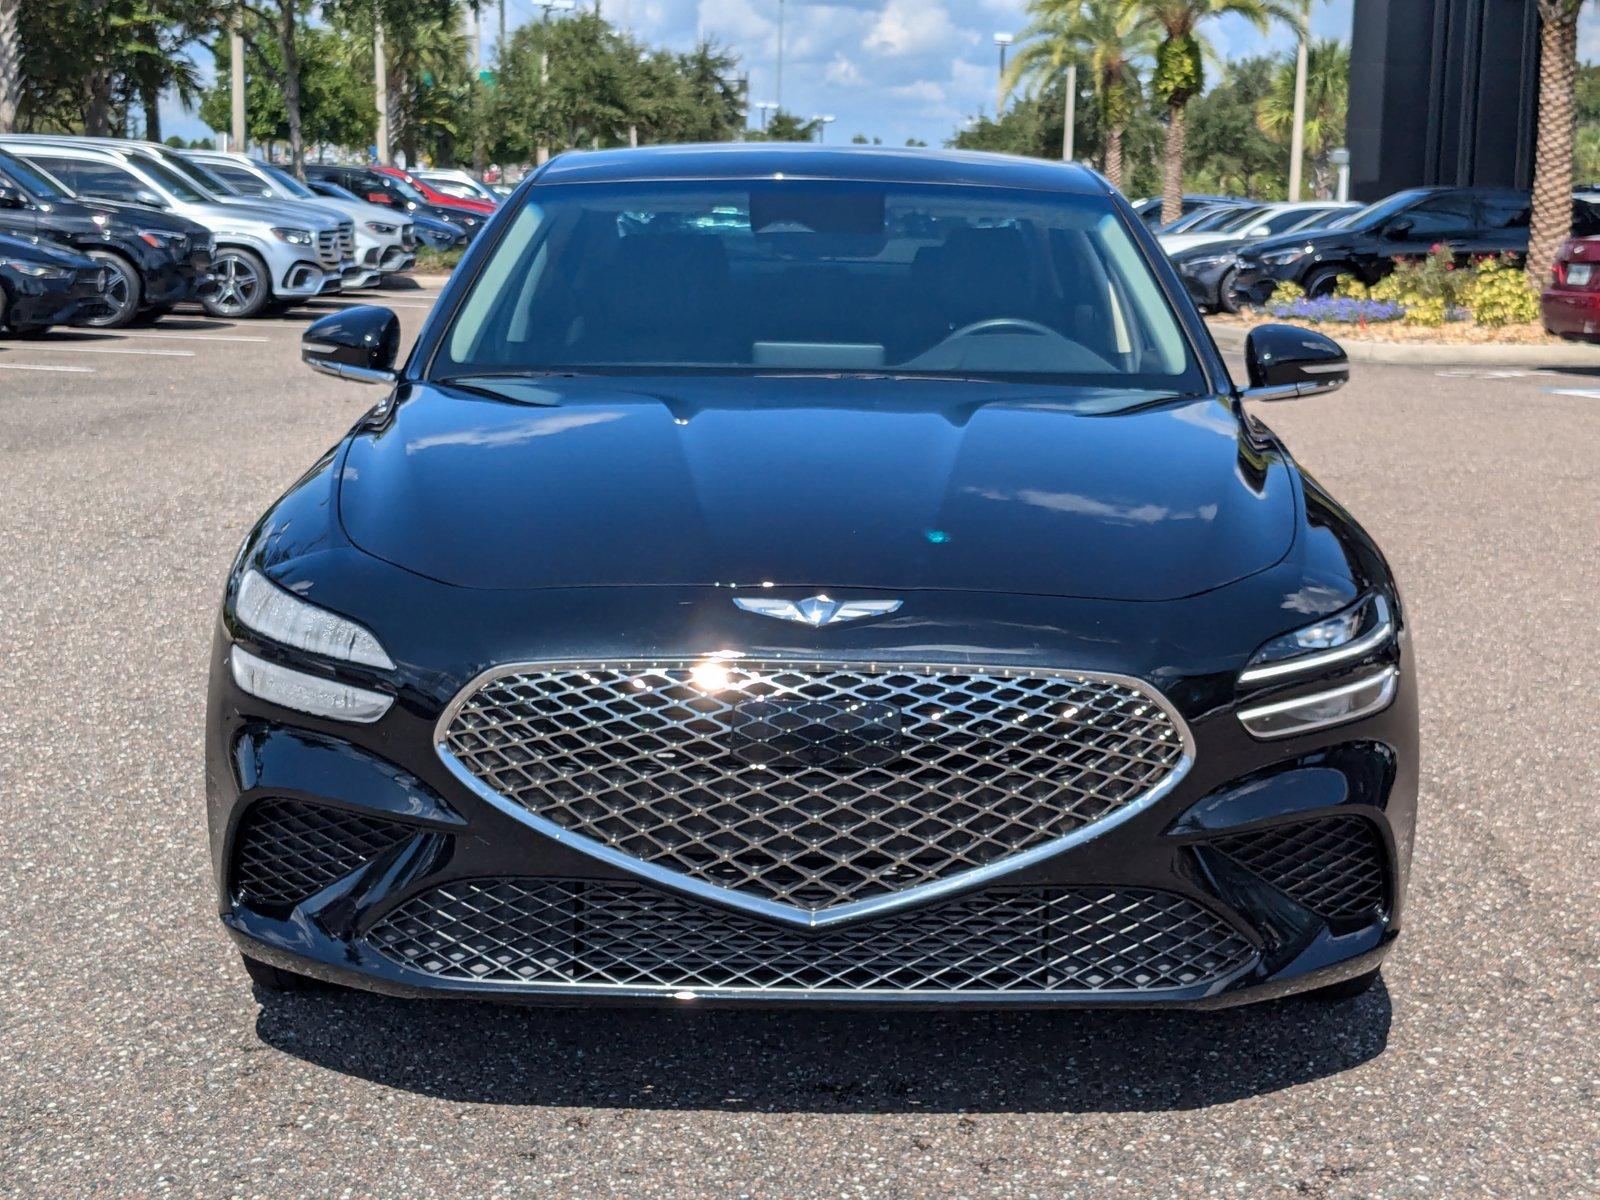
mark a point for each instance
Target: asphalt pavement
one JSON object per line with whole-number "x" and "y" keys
{"x": 136, "y": 1061}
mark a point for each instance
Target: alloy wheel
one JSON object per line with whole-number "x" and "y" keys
{"x": 239, "y": 286}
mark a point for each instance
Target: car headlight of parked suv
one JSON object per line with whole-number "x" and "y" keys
{"x": 382, "y": 228}
{"x": 37, "y": 270}
{"x": 1201, "y": 262}
{"x": 1282, "y": 258}
{"x": 295, "y": 237}
{"x": 1328, "y": 648}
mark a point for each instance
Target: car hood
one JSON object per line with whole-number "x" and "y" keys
{"x": 1173, "y": 243}
{"x": 50, "y": 254}
{"x": 1322, "y": 240}
{"x": 281, "y": 212}
{"x": 844, "y": 483}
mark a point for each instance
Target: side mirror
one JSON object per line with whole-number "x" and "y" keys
{"x": 148, "y": 198}
{"x": 1285, "y": 361}
{"x": 10, "y": 197}
{"x": 1398, "y": 228}
{"x": 359, "y": 343}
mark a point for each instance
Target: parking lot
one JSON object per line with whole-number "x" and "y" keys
{"x": 135, "y": 1061}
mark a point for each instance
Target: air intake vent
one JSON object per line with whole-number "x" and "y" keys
{"x": 287, "y": 851}
{"x": 1333, "y": 866}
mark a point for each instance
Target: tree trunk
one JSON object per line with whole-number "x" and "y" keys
{"x": 97, "y": 88}
{"x": 1114, "y": 156}
{"x": 291, "y": 86}
{"x": 1172, "y": 166}
{"x": 10, "y": 64}
{"x": 152, "y": 113}
{"x": 1552, "y": 172}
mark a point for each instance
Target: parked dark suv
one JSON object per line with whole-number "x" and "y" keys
{"x": 1471, "y": 221}
{"x": 154, "y": 260}
{"x": 377, "y": 188}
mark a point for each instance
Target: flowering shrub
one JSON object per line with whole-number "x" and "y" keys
{"x": 1498, "y": 293}
{"x": 1340, "y": 310}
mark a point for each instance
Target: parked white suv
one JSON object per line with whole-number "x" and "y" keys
{"x": 266, "y": 254}
{"x": 386, "y": 240}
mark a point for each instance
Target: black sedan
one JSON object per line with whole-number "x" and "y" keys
{"x": 1407, "y": 225}
{"x": 43, "y": 285}
{"x": 153, "y": 260}
{"x": 798, "y": 575}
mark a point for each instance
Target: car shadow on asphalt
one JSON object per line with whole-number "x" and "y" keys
{"x": 840, "y": 1062}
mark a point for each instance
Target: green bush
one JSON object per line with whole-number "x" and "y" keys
{"x": 1287, "y": 293}
{"x": 437, "y": 262}
{"x": 1498, "y": 293}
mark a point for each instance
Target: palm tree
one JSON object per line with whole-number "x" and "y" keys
{"x": 1180, "y": 68}
{"x": 1552, "y": 165}
{"x": 1327, "y": 96}
{"x": 1111, "y": 37}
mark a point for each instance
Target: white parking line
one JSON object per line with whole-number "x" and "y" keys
{"x": 190, "y": 337}
{"x": 42, "y": 348}
{"x": 5, "y": 366}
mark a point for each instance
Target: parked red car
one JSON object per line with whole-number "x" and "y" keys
{"x": 1570, "y": 305}
{"x": 435, "y": 196}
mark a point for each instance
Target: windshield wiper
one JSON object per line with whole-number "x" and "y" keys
{"x": 520, "y": 386}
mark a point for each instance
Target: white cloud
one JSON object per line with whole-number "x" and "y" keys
{"x": 842, "y": 72}
{"x": 914, "y": 27}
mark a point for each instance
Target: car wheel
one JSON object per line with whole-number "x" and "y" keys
{"x": 1322, "y": 281}
{"x": 1227, "y": 297}
{"x": 275, "y": 979}
{"x": 240, "y": 285}
{"x": 1348, "y": 989}
{"x": 124, "y": 293}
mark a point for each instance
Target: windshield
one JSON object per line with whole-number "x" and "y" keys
{"x": 286, "y": 181}
{"x": 1377, "y": 212}
{"x": 326, "y": 187}
{"x": 1242, "y": 220}
{"x": 806, "y": 276}
{"x": 172, "y": 181}
{"x": 31, "y": 180}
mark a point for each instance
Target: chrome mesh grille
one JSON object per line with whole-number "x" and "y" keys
{"x": 287, "y": 851}
{"x": 1333, "y": 866}
{"x": 813, "y": 785}
{"x": 557, "y": 932}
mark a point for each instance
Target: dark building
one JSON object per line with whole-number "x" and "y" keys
{"x": 1442, "y": 92}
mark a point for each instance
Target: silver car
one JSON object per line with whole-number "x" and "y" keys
{"x": 386, "y": 241}
{"x": 267, "y": 253}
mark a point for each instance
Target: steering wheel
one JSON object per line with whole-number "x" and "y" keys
{"x": 992, "y": 323}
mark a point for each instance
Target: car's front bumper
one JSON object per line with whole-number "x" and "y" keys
{"x": 1256, "y": 280}
{"x": 465, "y": 896}
{"x": 34, "y": 302}
{"x": 1203, "y": 282}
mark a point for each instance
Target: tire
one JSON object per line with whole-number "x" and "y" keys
{"x": 124, "y": 295}
{"x": 275, "y": 979}
{"x": 1348, "y": 989}
{"x": 1227, "y": 298}
{"x": 243, "y": 285}
{"x": 1322, "y": 281}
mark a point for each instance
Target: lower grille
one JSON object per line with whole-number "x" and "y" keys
{"x": 1333, "y": 866}
{"x": 287, "y": 851}
{"x": 1043, "y": 940}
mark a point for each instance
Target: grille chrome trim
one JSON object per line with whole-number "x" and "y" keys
{"x": 599, "y": 937}
{"x": 780, "y": 911}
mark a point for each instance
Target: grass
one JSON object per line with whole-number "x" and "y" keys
{"x": 437, "y": 262}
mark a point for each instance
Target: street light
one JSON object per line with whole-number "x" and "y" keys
{"x": 822, "y": 126}
{"x": 1001, "y": 40}
{"x": 767, "y": 107}
{"x": 542, "y": 155}
{"x": 1341, "y": 159}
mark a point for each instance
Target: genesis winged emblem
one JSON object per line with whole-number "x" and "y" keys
{"x": 816, "y": 610}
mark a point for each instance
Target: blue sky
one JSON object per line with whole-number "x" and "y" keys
{"x": 893, "y": 69}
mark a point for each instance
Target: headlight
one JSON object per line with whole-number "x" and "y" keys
{"x": 1347, "y": 635}
{"x": 1281, "y": 258}
{"x": 381, "y": 228}
{"x": 1209, "y": 260}
{"x": 285, "y": 618}
{"x": 305, "y": 693}
{"x": 160, "y": 238}
{"x": 295, "y": 237}
{"x": 37, "y": 270}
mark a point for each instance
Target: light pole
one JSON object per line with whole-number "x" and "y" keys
{"x": 1341, "y": 159}
{"x": 1297, "y": 135}
{"x": 1002, "y": 40}
{"x": 542, "y": 154}
{"x": 1068, "y": 134}
{"x": 822, "y": 126}
{"x": 779, "y": 89}
{"x": 236, "y": 78}
{"x": 767, "y": 107}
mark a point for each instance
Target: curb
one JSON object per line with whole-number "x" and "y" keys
{"x": 1576, "y": 355}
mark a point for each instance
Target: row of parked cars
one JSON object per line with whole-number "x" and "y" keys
{"x": 1232, "y": 252}
{"x": 105, "y": 232}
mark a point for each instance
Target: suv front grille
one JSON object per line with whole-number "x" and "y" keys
{"x": 287, "y": 851}
{"x": 328, "y": 248}
{"x": 626, "y": 935}
{"x": 814, "y": 785}
{"x": 1333, "y": 866}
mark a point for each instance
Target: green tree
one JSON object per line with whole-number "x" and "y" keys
{"x": 786, "y": 127}
{"x": 1226, "y": 149}
{"x": 1109, "y": 37}
{"x": 10, "y": 63}
{"x": 336, "y": 94}
{"x": 1327, "y": 100}
{"x": 1180, "y": 69}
